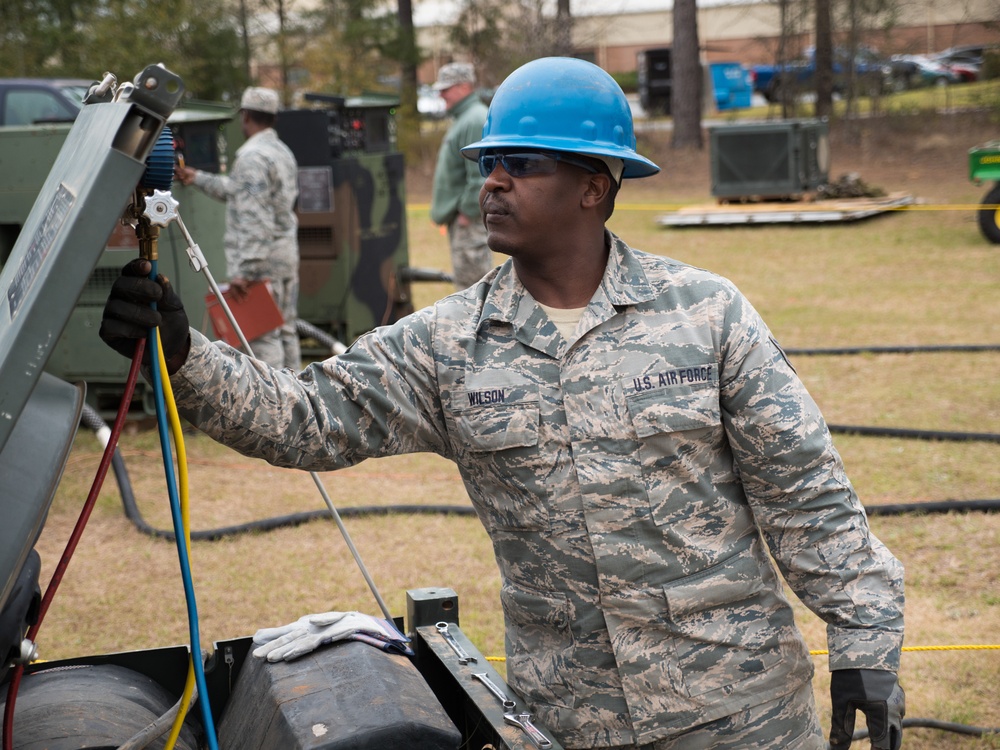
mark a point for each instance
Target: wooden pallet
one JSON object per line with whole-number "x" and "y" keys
{"x": 785, "y": 212}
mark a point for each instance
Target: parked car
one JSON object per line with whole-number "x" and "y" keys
{"x": 982, "y": 59}
{"x": 778, "y": 82}
{"x": 966, "y": 72}
{"x": 31, "y": 101}
{"x": 915, "y": 71}
{"x": 966, "y": 61}
{"x": 968, "y": 55}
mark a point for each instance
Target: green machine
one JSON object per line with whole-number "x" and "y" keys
{"x": 352, "y": 228}
{"x": 26, "y": 156}
{"x": 354, "y": 272}
{"x": 984, "y": 164}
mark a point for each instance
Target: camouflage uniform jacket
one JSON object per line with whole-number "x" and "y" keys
{"x": 261, "y": 238}
{"x": 629, "y": 483}
{"x": 456, "y": 179}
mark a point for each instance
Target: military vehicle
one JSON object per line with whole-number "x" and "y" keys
{"x": 111, "y": 167}
{"x": 355, "y": 270}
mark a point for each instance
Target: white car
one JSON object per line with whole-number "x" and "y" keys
{"x": 914, "y": 71}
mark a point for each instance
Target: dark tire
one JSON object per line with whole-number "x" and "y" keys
{"x": 94, "y": 707}
{"x": 989, "y": 216}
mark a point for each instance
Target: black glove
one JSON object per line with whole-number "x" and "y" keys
{"x": 128, "y": 315}
{"x": 877, "y": 694}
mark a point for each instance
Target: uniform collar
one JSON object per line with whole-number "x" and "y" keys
{"x": 507, "y": 301}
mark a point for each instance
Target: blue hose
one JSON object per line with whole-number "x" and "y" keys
{"x": 175, "y": 512}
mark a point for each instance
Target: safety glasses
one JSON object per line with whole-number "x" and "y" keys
{"x": 527, "y": 163}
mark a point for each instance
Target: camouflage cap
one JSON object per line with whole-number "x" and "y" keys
{"x": 453, "y": 74}
{"x": 260, "y": 100}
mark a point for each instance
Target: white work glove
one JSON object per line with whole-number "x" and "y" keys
{"x": 312, "y": 631}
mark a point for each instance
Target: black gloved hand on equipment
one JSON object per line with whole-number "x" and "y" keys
{"x": 877, "y": 694}
{"x": 128, "y": 315}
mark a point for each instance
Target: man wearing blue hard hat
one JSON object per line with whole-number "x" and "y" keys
{"x": 632, "y": 437}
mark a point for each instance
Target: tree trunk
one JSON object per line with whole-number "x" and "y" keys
{"x": 407, "y": 36}
{"x": 245, "y": 37}
{"x": 824, "y": 60}
{"x": 786, "y": 81}
{"x": 564, "y": 29}
{"x": 686, "y": 83}
{"x": 850, "y": 74}
{"x": 283, "y": 63}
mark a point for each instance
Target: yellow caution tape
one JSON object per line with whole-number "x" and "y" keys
{"x": 970, "y": 647}
{"x": 821, "y": 651}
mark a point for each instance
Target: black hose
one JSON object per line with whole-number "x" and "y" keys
{"x": 903, "y": 432}
{"x": 424, "y": 274}
{"x": 897, "y": 349}
{"x": 944, "y": 726}
{"x": 93, "y": 420}
{"x": 900, "y": 432}
{"x": 293, "y": 519}
{"x": 307, "y": 329}
{"x": 938, "y": 506}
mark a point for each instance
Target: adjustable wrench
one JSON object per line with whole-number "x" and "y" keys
{"x": 463, "y": 656}
{"x": 524, "y": 721}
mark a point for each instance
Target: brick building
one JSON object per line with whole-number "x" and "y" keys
{"x": 611, "y": 32}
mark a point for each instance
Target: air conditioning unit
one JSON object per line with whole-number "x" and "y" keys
{"x": 775, "y": 160}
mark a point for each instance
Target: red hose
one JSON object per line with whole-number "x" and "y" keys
{"x": 67, "y": 555}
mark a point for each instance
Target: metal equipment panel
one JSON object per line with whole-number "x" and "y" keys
{"x": 88, "y": 187}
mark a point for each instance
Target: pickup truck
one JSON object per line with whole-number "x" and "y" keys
{"x": 788, "y": 80}
{"x": 33, "y": 101}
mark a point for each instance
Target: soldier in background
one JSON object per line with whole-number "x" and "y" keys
{"x": 261, "y": 238}
{"x": 632, "y": 437}
{"x": 455, "y": 198}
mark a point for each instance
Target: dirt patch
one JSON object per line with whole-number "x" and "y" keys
{"x": 919, "y": 152}
{"x": 926, "y": 154}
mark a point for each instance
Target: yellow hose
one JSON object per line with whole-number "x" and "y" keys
{"x": 177, "y": 432}
{"x": 182, "y": 710}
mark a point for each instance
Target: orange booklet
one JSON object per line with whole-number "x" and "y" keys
{"x": 257, "y": 313}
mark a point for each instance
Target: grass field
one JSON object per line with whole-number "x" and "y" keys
{"x": 923, "y": 276}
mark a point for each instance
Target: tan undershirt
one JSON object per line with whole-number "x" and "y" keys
{"x": 565, "y": 320}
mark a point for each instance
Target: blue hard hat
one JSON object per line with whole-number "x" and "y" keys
{"x": 562, "y": 104}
